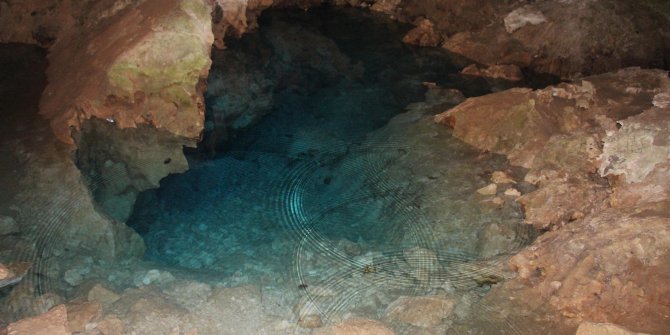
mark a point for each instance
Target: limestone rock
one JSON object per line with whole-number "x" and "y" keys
{"x": 8, "y": 226}
{"x": 500, "y": 177}
{"x": 308, "y": 313}
{"x": 111, "y": 325}
{"x": 558, "y": 203}
{"x": 590, "y": 328}
{"x": 153, "y": 276}
{"x": 496, "y": 239}
{"x": 497, "y": 71}
{"x": 53, "y": 322}
{"x": 13, "y": 273}
{"x": 578, "y": 39}
{"x": 421, "y": 258}
{"x": 423, "y": 34}
{"x": 626, "y": 248}
{"x": 490, "y": 189}
{"x": 102, "y": 295}
{"x": 386, "y": 6}
{"x": 80, "y": 314}
{"x": 642, "y": 143}
{"x": 512, "y": 192}
{"x": 523, "y": 16}
{"x": 426, "y": 311}
{"x": 557, "y": 142}
{"x": 355, "y": 327}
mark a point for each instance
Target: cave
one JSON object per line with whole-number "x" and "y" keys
{"x": 335, "y": 167}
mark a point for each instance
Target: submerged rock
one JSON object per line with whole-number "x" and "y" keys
{"x": 356, "y": 327}
{"x": 102, "y": 295}
{"x": 13, "y": 273}
{"x": 80, "y": 315}
{"x": 8, "y": 226}
{"x": 53, "y": 322}
{"x": 428, "y": 311}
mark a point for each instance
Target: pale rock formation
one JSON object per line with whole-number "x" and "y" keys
{"x": 523, "y": 16}
{"x": 489, "y": 189}
{"x": 500, "y": 177}
{"x": 497, "y": 71}
{"x": 590, "y": 328}
{"x": 13, "y": 273}
{"x": 386, "y": 6}
{"x": 53, "y": 322}
{"x": 635, "y": 150}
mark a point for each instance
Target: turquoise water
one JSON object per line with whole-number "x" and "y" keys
{"x": 338, "y": 181}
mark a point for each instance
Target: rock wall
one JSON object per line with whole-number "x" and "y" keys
{"x": 598, "y": 151}
{"x": 563, "y": 38}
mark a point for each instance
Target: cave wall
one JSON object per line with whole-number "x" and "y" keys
{"x": 139, "y": 64}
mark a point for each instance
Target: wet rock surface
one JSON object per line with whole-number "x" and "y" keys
{"x": 604, "y": 258}
{"x": 605, "y": 232}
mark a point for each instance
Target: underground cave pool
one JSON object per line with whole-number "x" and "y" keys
{"x": 321, "y": 167}
{"x": 321, "y": 178}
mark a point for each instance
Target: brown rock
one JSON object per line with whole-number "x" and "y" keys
{"x": 490, "y": 189}
{"x": 634, "y": 150}
{"x": 310, "y": 321}
{"x": 512, "y": 192}
{"x": 590, "y": 328}
{"x": 111, "y": 325}
{"x": 427, "y": 311}
{"x": 53, "y": 322}
{"x": 498, "y": 71}
{"x": 423, "y": 34}
{"x": 558, "y": 203}
{"x": 628, "y": 249}
{"x": 500, "y": 177}
{"x": 356, "y": 327}
{"x": 102, "y": 295}
{"x": 79, "y": 314}
{"x": 386, "y": 6}
{"x": 495, "y": 239}
{"x": 524, "y": 40}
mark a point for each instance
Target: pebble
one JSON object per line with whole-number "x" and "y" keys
{"x": 490, "y": 189}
